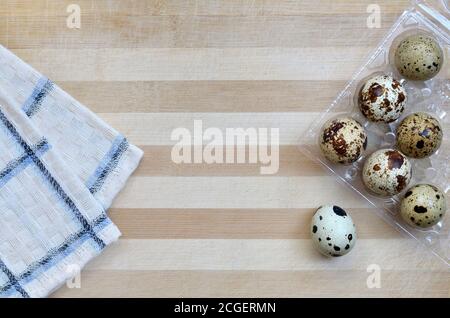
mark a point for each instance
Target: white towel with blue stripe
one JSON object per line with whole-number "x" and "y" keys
{"x": 60, "y": 168}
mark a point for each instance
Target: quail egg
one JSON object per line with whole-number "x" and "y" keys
{"x": 418, "y": 57}
{"x": 382, "y": 99}
{"x": 333, "y": 231}
{"x": 386, "y": 172}
{"x": 419, "y": 135}
{"x": 343, "y": 140}
{"x": 423, "y": 205}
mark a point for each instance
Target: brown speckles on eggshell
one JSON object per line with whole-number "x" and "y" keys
{"x": 421, "y": 207}
{"x": 418, "y": 57}
{"x": 395, "y": 159}
{"x": 386, "y": 172}
{"x": 375, "y": 91}
{"x": 340, "y": 146}
{"x": 331, "y": 131}
{"x": 382, "y": 99}
{"x": 401, "y": 182}
{"x": 395, "y": 84}
{"x": 419, "y": 135}
{"x": 342, "y": 140}
{"x": 337, "y": 236}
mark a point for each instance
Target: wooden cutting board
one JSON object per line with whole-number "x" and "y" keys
{"x": 208, "y": 230}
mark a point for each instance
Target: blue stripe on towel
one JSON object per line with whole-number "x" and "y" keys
{"x": 13, "y": 280}
{"x": 12, "y": 169}
{"x": 61, "y": 252}
{"x": 40, "y": 91}
{"x": 107, "y": 164}
{"x": 17, "y": 165}
{"x": 7, "y": 291}
{"x": 51, "y": 180}
{"x": 56, "y": 255}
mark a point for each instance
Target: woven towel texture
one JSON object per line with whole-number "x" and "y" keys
{"x": 60, "y": 168}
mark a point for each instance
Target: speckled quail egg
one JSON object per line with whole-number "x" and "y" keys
{"x": 382, "y": 99}
{"x": 333, "y": 231}
{"x": 418, "y": 57}
{"x": 419, "y": 135}
{"x": 386, "y": 172}
{"x": 343, "y": 140}
{"x": 423, "y": 205}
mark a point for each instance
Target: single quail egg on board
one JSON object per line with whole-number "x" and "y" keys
{"x": 386, "y": 172}
{"x": 343, "y": 140}
{"x": 382, "y": 99}
{"x": 333, "y": 231}
{"x": 418, "y": 57}
{"x": 419, "y": 135}
{"x": 423, "y": 205}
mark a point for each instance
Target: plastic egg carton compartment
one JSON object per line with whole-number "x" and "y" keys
{"x": 431, "y": 96}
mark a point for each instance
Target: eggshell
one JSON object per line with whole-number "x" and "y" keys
{"x": 382, "y": 99}
{"x": 418, "y": 57}
{"x": 386, "y": 172}
{"x": 423, "y": 205}
{"x": 343, "y": 140}
{"x": 333, "y": 231}
{"x": 419, "y": 135}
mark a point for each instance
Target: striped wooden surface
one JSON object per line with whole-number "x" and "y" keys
{"x": 202, "y": 230}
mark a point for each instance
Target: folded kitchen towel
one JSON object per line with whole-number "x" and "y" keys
{"x": 60, "y": 168}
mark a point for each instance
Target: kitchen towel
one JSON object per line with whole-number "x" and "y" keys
{"x": 60, "y": 168}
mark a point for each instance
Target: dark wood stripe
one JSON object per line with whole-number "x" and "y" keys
{"x": 205, "y": 96}
{"x": 305, "y": 283}
{"x": 235, "y": 223}
{"x": 157, "y": 162}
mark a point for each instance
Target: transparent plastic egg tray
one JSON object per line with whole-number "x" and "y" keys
{"x": 431, "y": 96}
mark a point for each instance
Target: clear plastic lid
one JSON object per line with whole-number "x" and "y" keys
{"x": 437, "y": 12}
{"x": 431, "y": 96}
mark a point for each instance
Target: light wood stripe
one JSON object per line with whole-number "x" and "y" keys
{"x": 235, "y": 223}
{"x": 313, "y": 283}
{"x": 199, "y": 7}
{"x": 260, "y": 254}
{"x": 98, "y": 31}
{"x": 156, "y": 128}
{"x": 247, "y": 192}
{"x": 157, "y": 161}
{"x": 176, "y": 64}
{"x": 204, "y": 96}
